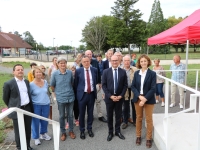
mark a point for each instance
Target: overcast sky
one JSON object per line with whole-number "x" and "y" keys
{"x": 65, "y": 19}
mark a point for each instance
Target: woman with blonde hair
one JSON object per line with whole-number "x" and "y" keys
{"x": 77, "y": 60}
{"x": 41, "y": 105}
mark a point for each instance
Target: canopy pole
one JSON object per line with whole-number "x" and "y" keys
{"x": 186, "y": 66}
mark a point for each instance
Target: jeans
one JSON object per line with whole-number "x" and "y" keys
{"x": 159, "y": 90}
{"x": 39, "y": 126}
{"x": 69, "y": 109}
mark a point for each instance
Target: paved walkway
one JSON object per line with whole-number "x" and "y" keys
{"x": 100, "y": 130}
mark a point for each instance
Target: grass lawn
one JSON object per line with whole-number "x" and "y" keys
{"x": 11, "y": 64}
{"x": 191, "y": 76}
{"x": 5, "y": 123}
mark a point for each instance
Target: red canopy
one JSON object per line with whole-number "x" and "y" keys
{"x": 188, "y": 29}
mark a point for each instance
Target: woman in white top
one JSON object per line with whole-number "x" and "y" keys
{"x": 159, "y": 81}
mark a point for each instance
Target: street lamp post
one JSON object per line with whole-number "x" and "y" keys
{"x": 36, "y": 50}
{"x": 53, "y": 43}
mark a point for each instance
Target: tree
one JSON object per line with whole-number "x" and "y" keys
{"x": 95, "y": 33}
{"x": 127, "y": 26}
{"x": 172, "y": 21}
{"x": 17, "y": 33}
{"x": 29, "y": 38}
{"x": 156, "y": 23}
{"x": 82, "y": 47}
{"x": 65, "y": 47}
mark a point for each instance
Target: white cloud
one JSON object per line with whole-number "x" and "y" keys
{"x": 65, "y": 19}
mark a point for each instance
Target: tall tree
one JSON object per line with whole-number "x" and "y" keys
{"x": 156, "y": 23}
{"x": 95, "y": 33}
{"x": 126, "y": 28}
{"x": 17, "y": 33}
{"x": 172, "y": 21}
{"x": 29, "y": 38}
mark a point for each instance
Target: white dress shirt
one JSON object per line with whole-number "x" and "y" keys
{"x": 91, "y": 81}
{"x": 143, "y": 75}
{"x": 23, "y": 91}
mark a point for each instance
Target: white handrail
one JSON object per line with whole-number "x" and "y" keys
{"x": 20, "y": 116}
{"x": 167, "y": 118}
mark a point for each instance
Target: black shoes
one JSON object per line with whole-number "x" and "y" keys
{"x": 120, "y": 135}
{"x": 102, "y": 119}
{"x": 82, "y": 135}
{"x": 29, "y": 148}
{"x": 91, "y": 134}
{"x": 110, "y": 136}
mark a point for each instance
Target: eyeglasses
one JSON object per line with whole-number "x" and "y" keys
{"x": 43, "y": 68}
{"x": 114, "y": 60}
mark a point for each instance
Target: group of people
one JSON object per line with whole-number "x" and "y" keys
{"x": 120, "y": 79}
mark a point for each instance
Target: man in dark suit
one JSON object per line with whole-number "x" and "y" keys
{"x": 114, "y": 84}
{"x": 85, "y": 87}
{"x": 107, "y": 63}
{"x": 94, "y": 63}
{"x": 16, "y": 93}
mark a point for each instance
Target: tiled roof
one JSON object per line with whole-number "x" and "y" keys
{"x": 8, "y": 40}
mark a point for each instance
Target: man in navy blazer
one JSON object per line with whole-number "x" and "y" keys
{"x": 114, "y": 89}
{"x": 85, "y": 86}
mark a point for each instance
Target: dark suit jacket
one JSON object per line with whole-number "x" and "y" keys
{"x": 108, "y": 83}
{"x": 11, "y": 96}
{"x": 80, "y": 82}
{"x": 149, "y": 86}
{"x": 94, "y": 63}
{"x": 105, "y": 64}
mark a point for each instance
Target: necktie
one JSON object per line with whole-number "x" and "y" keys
{"x": 116, "y": 82}
{"x": 88, "y": 82}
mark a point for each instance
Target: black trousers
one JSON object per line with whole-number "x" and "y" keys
{"x": 126, "y": 109}
{"x": 76, "y": 109}
{"x": 27, "y": 124}
{"x": 117, "y": 107}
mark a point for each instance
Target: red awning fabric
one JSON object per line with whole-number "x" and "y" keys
{"x": 188, "y": 29}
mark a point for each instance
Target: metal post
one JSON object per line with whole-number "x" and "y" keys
{"x": 166, "y": 97}
{"x": 20, "y": 117}
{"x": 186, "y": 66}
{"x": 36, "y": 50}
{"x": 197, "y": 75}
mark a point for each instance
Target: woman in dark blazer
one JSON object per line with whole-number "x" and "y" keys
{"x": 143, "y": 87}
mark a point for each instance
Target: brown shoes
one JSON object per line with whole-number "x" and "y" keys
{"x": 148, "y": 143}
{"x": 63, "y": 137}
{"x": 130, "y": 120}
{"x": 72, "y": 135}
{"x": 138, "y": 141}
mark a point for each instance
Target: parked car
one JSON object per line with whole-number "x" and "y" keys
{"x": 33, "y": 52}
{"x": 62, "y": 51}
{"x": 50, "y": 52}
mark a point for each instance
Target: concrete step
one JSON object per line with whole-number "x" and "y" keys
{"x": 183, "y": 134}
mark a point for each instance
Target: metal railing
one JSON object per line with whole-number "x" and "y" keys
{"x": 20, "y": 116}
{"x": 168, "y": 117}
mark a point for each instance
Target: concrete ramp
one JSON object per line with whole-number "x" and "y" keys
{"x": 183, "y": 133}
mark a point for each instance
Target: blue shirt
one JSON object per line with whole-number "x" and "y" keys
{"x": 178, "y": 76}
{"x": 39, "y": 94}
{"x": 63, "y": 84}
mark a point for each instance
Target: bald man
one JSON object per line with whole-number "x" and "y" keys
{"x": 178, "y": 76}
